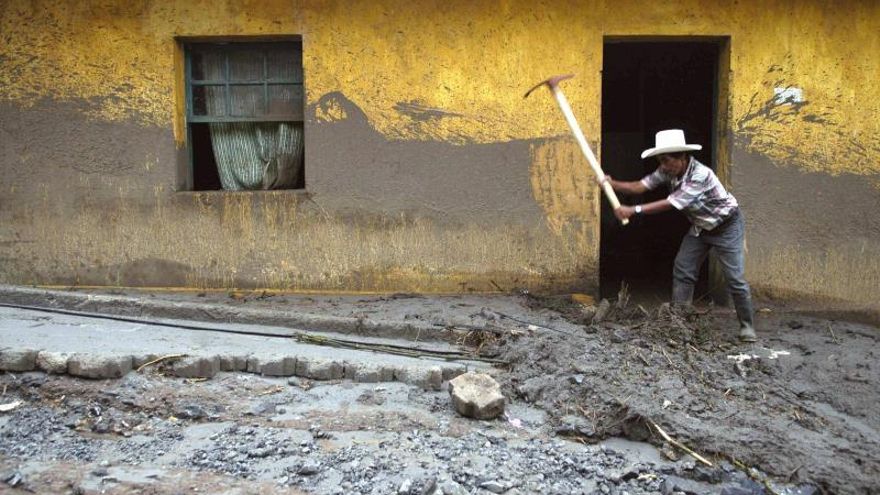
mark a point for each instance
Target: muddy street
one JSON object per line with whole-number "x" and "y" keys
{"x": 241, "y": 433}
{"x": 615, "y": 398}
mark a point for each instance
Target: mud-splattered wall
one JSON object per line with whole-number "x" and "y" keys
{"x": 425, "y": 168}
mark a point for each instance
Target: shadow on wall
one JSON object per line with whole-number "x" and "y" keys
{"x": 394, "y": 215}
{"x": 350, "y": 165}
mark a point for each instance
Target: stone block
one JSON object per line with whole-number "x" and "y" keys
{"x": 278, "y": 366}
{"x": 233, "y": 363}
{"x": 18, "y": 360}
{"x": 99, "y": 365}
{"x": 319, "y": 368}
{"x": 196, "y": 367}
{"x": 53, "y": 362}
{"x": 477, "y": 395}
{"x": 427, "y": 378}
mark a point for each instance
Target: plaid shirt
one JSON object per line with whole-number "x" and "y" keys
{"x": 698, "y": 194}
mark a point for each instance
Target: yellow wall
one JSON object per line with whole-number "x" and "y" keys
{"x": 470, "y": 59}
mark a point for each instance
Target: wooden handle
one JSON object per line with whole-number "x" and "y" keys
{"x": 585, "y": 148}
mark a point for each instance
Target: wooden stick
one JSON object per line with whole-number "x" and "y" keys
{"x": 679, "y": 444}
{"x": 830, "y": 329}
{"x": 585, "y": 148}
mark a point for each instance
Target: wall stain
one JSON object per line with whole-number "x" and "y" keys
{"x": 426, "y": 169}
{"x": 806, "y": 134}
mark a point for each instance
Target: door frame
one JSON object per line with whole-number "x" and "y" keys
{"x": 721, "y": 135}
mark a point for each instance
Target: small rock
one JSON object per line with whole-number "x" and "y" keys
{"x": 405, "y": 487}
{"x": 13, "y": 479}
{"x": 309, "y": 468}
{"x": 450, "y": 487}
{"x": 493, "y": 486}
{"x": 576, "y": 379}
{"x": 675, "y": 484}
{"x": 572, "y": 425}
{"x": 705, "y": 474}
{"x": 190, "y": 411}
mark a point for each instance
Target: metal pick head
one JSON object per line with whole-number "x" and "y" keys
{"x": 551, "y": 83}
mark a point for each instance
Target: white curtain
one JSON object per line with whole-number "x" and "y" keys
{"x": 257, "y": 155}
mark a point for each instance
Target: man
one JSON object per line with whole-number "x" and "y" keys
{"x": 716, "y": 221}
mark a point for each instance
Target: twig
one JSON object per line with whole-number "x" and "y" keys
{"x": 496, "y": 286}
{"x": 163, "y": 358}
{"x": 667, "y": 357}
{"x": 834, "y": 337}
{"x": 679, "y": 444}
{"x": 273, "y": 390}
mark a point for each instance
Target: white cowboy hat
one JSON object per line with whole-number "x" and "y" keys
{"x": 670, "y": 141}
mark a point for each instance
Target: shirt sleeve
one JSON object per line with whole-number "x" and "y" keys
{"x": 654, "y": 180}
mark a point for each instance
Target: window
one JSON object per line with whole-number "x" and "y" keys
{"x": 244, "y": 106}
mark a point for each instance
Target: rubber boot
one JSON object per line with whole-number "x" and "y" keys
{"x": 682, "y": 294}
{"x": 745, "y": 314}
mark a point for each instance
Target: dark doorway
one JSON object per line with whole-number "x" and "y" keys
{"x": 648, "y": 86}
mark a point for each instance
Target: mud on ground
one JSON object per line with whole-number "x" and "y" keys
{"x": 246, "y": 434}
{"x": 800, "y": 404}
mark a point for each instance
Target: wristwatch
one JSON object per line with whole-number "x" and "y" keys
{"x": 638, "y": 209}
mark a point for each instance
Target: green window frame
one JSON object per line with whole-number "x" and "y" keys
{"x": 275, "y": 90}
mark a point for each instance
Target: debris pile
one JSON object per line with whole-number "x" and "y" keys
{"x": 665, "y": 376}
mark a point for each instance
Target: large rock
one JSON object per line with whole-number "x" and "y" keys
{"x": 476, "y": 395}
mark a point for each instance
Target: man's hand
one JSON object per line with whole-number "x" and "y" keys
{"x": 602, "y": 180}
{"x": 624, "y": 212}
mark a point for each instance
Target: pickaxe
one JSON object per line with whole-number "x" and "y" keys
{"x": 553, "y": 84}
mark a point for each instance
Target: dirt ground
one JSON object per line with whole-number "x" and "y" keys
{"x": 800, "y": 404}
{"x": 247, "y": 434}
{"x": 794, "y": 411}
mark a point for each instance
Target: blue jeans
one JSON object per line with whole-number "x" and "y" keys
{"x": 727, "y": 240}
